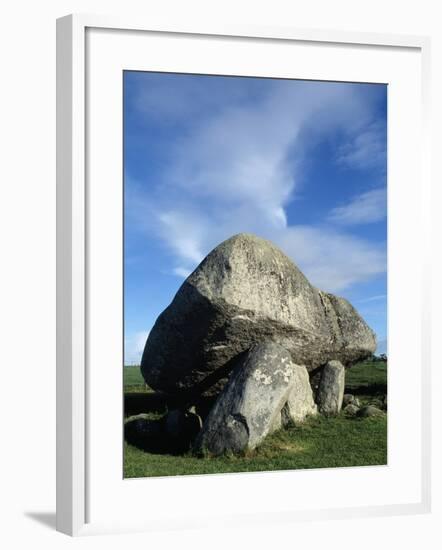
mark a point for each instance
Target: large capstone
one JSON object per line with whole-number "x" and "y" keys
{"x": 244, "y": 292}
{"x": 264, "y": 387}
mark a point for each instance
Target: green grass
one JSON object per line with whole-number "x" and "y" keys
{"x": 318, "y": 443}
{"x": 367, "y": 380}
{"x": 365, "y": 376}
{"x": 133, "y": 380}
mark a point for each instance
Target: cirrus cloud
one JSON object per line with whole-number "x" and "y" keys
{"x": 367, "y": 207}
{"x": 236, "y": 166}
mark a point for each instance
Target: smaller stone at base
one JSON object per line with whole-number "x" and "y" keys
{"x": 351, "y": 410}
{"x": 370, "y": 410}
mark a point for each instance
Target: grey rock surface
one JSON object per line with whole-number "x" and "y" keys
{"x": 370, "y": 410}
{"x": 249, "y": 408}
{"x": 300, "y": 402}
{"x": 377, "y": 402}
{"x": 331, "y": 388}
{"x": 351, "y": 410}
{"x": 244, "y": 292}
{"x": 347, "y": 399}
{"x": 350, "y": 399}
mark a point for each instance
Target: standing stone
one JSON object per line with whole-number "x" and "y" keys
{"x": 330, "y": 392}
{"x": 300, "y": 402}
{"x": 247, "y": 291}
{"x": 249, "y": 408}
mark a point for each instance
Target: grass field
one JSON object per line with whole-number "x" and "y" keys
{"x": 318, "y": 443}
{"x": 367, "y": 378}
{"x": 133, "y": 380}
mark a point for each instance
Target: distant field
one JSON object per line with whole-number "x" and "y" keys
{"x": 133, "y": 380}
{"x": 318, "y": 443}
{"x": 367, "y": 379}
{"x": 363, "y": 377}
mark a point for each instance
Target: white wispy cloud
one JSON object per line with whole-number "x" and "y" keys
{"x": 235, "y": 169}
{"x": 134, "y": 347}
{"x": 332, "y": 260}
{"x": 186, "y": 232}
{"x": 176, "y": 98}
{"x": 373, "y": 298}
{"x": 250, "y": 153}
{"x": 181, "y": 271}
{"x": 366, "y": 149}
{"x": 365, "y": 208}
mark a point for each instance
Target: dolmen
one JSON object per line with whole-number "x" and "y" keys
{"x": 249, "y": 334}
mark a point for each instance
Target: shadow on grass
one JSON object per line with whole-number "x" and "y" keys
{"x": 144, "y": 402}
{"x": 150, "y": 436}
{"x": 136, "y": 403}
{"x": 156, "y": 402}
{"x": 368, "y": 389}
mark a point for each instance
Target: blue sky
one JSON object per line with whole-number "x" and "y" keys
{"x": 301, "y": 163}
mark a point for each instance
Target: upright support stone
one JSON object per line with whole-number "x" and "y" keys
{"x": 249, "y": 408}
{"x": 300, "y": 402}
{"x": 331, "y": 389}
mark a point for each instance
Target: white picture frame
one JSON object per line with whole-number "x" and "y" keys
{"x": 77, "y": 492}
